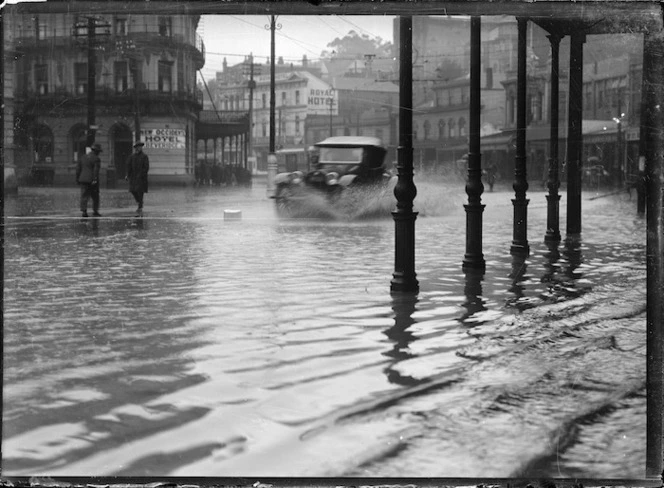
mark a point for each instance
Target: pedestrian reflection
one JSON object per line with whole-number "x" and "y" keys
{"x": 472, "y": 289}
{"x": 519, "y": 268}
{"x": 87, "y": 227}
{"x": 404, "y": 307}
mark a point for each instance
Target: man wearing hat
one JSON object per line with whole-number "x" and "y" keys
{"x": 87, "y": 176}
{"x": 138, "y": 166}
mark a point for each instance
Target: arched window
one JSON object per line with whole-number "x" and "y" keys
{"x": 441, "y": 129}
{"x": 42, "y": 138}
{"x": 414, "y": 131}
{"x": 451, "y": 127}
{"x": 78, "y": 139}
{"x": 427, "y": 129}
{"x": 462, "y": 127}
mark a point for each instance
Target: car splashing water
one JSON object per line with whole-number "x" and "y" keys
{"x": 186, "y": 343}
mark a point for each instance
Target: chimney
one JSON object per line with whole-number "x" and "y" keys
{"x": 280, "y": 60}
{"x": 305, "y": 61}
{"x": 225, "y": 65}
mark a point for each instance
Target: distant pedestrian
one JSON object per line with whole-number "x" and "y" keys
{"x": 492, "y": 174}
{"x": 87, "y": 176}
{"x": 138, "y": 166}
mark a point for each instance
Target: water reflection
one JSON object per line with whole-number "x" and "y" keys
{"x": 517, "y": 275}
{"x": 472, "y": 290}
{"x": 403, "y": 306}
{"x": 572, "y": 253}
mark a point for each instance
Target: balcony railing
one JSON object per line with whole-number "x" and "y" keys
{"x": 147, "y": 92}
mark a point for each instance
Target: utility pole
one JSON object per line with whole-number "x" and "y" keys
{"x": 272, "y": 157}
{"x": 88, "y": 30}
{"x": 251, "y": 69}
{"x": 125, "y": 47}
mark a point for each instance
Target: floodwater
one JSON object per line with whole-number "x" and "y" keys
{"x": 185, "y": 344}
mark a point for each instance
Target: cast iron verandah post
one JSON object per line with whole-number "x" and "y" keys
{"x": 474, "y": 258}
{"x": 575, "y": 136}
{"x": 653, "y": 143}
{"x": 404, "y": 279}
{"x": 520, "y": 202}
{"x": 553, "y": 182}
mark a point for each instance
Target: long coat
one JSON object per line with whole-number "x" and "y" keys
{"x": 138, "y": 166}
{"x": 87, "y": 169}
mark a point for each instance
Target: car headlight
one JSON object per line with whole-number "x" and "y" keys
{"x": 332, "y": 178}
{"x": 296, "y": 177}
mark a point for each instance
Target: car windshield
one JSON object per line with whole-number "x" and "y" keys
{"x": 340, "y": 155}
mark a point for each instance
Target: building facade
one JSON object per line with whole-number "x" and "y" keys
{"x": 144, "y": 87}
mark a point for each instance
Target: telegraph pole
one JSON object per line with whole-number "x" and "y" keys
{"x": 252, "y": 69}
{"x": 126, "y": 47}
{"x": 89, "y": 30}
{"x": 272, "y": 157}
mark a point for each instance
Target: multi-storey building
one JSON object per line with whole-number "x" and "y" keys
{"x": 144, "y": 76}
{"x": 299, "y": 94}
{"x": 611, "y": 112}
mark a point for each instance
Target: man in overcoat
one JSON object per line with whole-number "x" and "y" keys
{"x": 138, "y": 166}
{"x": 87, "y": 176}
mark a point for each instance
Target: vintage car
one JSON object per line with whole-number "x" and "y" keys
{"x": 339, "y": 167}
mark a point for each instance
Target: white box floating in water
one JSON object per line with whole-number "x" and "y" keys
{"x": 232, "y": 214}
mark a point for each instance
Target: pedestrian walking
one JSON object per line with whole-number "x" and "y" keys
{"x": 138, "y": 166}
{"x": 87, "y": 176}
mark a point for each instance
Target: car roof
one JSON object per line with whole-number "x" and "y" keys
{"x": 342, "y": 141}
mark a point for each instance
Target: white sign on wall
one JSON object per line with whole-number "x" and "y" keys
{"x": 163, "y": 138}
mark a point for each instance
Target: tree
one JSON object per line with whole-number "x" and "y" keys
{"x": 354, "y": 45}
{"x": 449, "y": 70}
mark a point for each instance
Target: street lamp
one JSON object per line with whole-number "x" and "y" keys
{"x": 620, "y": 169}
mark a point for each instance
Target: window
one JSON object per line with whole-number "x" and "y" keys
{"x": 41, "y": 78}
{"x": 180, "y": 68}
{"x": 120, "y": 27}
{"x": 462, "y": 127}
{"x": 43, "y": 144}
{"x": 264, "y": 99}
{"x": 297, "y": 97}
{"x": 121, "y": 77}
{"x": 81, "y": 77}
{"x": 164, "y": 81}
{"x": 283, "y": 98}
{"x": 40, "y": 28}
{"x": 165, "y": 26}
{"x": 264, "y": 126}
{"x": 427, "y": 129}
{"x": 452, "y": 128}
{"x": 297, "y": 123}
{"x": 441, "y": 129}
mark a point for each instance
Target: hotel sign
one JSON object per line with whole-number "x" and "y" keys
{"x": 322, "y": 101}
{"x": 164, "y": 138}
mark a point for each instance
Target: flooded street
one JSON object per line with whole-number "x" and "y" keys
{"x": 185, "y": 344}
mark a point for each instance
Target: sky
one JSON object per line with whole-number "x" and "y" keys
{"x": 235, "y": 36}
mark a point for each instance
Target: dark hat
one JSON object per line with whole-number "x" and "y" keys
{"x": 96, "y": 147}
{"x": 139, "y": 144}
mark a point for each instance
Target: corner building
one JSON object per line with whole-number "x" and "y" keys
{"x": 145, "y": 79}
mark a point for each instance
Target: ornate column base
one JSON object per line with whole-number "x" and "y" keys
{"x": 553, "y": 219}
{"x": 404, "y": 276}
{"x": 520, "y": 241}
